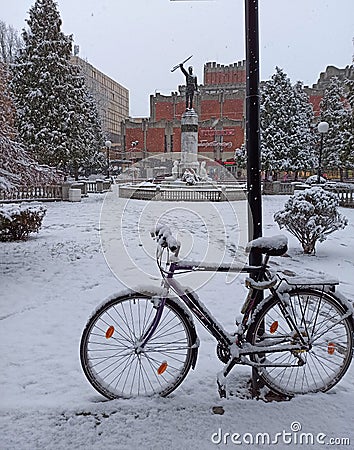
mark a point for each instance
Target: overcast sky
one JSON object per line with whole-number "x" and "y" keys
{"x": 136, "y": 42}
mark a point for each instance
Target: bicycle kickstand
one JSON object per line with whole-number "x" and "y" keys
{"x": 221, "y": 378}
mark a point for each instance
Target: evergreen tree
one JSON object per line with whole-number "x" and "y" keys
{"x": 57, "y": 119}
{"x": 337, "y": 144}
{"x": 10, "y": 43}
{"x": 83, "y": 129}
{"x": 240, "y": 157}
{"x": 350, "y": 125}
{"x": 276, "y": 97}
{"x": 301, "y": 151}
{"x": 16, "y": 167}
{"x": 286, "y": 116}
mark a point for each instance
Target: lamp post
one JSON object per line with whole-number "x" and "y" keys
{"x": 253, "y": 126}
{"x": 322, "y": 128}
{"x": 253, "y": 144}
{"x": 108, "y": 145}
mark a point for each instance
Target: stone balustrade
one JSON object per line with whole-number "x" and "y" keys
{"x": 54, "y": 192}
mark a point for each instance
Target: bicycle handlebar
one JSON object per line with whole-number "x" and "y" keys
{"x": 164, "y": 238}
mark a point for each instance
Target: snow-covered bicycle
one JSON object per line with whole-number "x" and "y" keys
{"x": 140, "y": 343}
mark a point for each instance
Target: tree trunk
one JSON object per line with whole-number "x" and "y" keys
{"x": 76, "y": 171}
{"x": 341, "y": 174}
{"x": 308, "y": 247}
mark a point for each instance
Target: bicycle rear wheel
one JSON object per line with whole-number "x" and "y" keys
{"x": 110, "y": 355}
{"x": 323, "y": 324}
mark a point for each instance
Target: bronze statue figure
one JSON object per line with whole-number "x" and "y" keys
{"x": 191, "y": 85}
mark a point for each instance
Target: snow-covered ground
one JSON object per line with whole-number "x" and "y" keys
{"x": 51, "y": 283}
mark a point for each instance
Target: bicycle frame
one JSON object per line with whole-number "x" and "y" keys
{"x": 194, "y": 304}
{"x": 259, "y": 273}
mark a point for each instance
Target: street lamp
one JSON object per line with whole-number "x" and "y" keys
{"x": 322, "y": 128}
{"x": 108, "y": 145}
{"x": 253, "y": 126}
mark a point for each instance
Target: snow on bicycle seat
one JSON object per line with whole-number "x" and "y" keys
{"x": 272, "y": 246}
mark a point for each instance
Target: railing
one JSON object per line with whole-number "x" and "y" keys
{"x": 192, "y": 195}
{"x": 98, "y": 186}
{"x": 185, "y": 194}
{"x": 54, "y": 192}
{"x": 277, "y": 188}
{"x": 345, "y": 194}
{"x": 27, "y": 193}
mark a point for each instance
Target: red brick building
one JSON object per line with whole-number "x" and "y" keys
{"x": 316, "y": 92}
{"x": 219, "y": 105}
{"x": 221, "y": 109}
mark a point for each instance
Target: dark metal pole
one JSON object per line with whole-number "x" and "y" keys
{"x": 319, "y": 170}
{"x": 253, "y": 141}
{"x": 253, "y": 125}
{"x": 107, "y": 161}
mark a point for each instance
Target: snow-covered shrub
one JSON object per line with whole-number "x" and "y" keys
{"x": 18, "y": 221}
{"x": 313, "y": 179}
{"x": 310, "y": 216}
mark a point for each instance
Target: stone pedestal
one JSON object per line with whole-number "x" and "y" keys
{"x": 189, "y": 142}
{"x": 74, "y": 195}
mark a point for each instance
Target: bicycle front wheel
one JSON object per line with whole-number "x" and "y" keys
{"x": 111, "y": 357}
{"x": 324, "y": 326}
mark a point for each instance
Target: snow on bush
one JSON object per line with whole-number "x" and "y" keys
{"x": 314, "y": 178}
{"x": 310, "y": 216}
{"x": 18, "y": 221}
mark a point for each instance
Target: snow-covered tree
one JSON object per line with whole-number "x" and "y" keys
{"x": 57, "y": 118}
{"x": 240, "y": 157}
{"x": 350, "y": 95}
{"x": 350, "y": 125}
{"x": 286, "y": 115}
{"x": 276, "y": 96}
{"x": 337, "y": 150}
{"x": 82, "y": 127}
{"x": 301, "y": 151}
{"x": 16, "y": 166}
{"x": 311, "y": 215}
{"x": 10, "y": 43}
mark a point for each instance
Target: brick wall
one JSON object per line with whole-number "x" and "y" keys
{"x": 221, "y": 97}
{"x": 155, "y": 140}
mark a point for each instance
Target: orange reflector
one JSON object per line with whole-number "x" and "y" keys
{"x": 331, "y": 348}
{"x": 162, "y": 368}
{"x": 109, "y": 332}
{"x": 273, "y": 328}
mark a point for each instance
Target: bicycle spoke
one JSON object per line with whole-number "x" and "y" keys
{"x": 322, "y": 326}
{"x": 116, "y": 365}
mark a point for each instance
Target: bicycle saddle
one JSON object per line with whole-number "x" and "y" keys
{"x": 272, "y": 246}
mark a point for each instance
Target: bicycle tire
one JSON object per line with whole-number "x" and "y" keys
{"x": 108, "y": 347}
{"x": 331, "y": 350}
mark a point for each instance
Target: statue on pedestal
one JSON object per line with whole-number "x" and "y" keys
{"x": 190, "y": 177}
{"x": 191, "y": 85}
{"x": 203, "y": 172}
{"x": 174, "y": 175}
{"x": 175, "y": 170}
